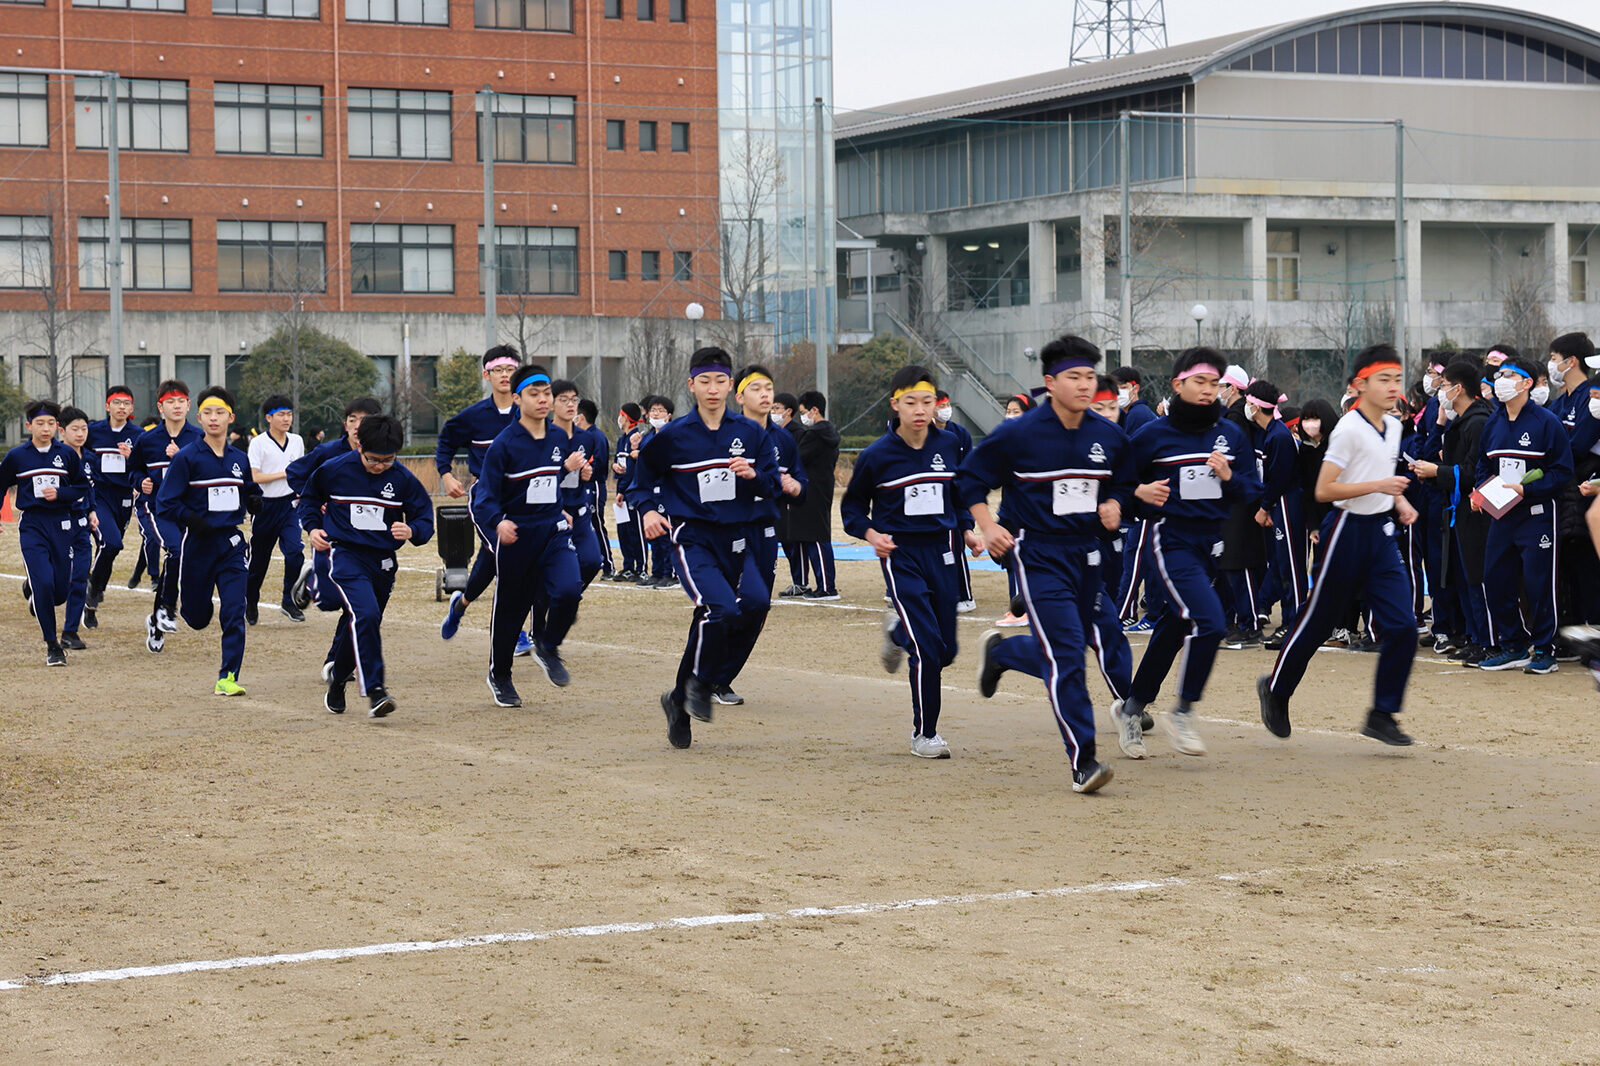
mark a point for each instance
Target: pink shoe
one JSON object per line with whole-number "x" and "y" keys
{"x": 1011, "y": 621}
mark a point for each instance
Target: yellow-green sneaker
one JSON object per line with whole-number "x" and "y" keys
{"x": 228, "y": 685}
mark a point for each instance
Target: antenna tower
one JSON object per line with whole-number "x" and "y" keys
{"x": 1105, "y": 29}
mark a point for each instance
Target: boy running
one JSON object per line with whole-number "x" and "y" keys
{"x": 152, "y": 452}
{"x": 313, "y": 581}
{"x": 270, "y": 455}
{"x": 75, "y": 434}
{"x": 110, "y": 446}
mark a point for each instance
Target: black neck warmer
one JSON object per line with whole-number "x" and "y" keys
{"x": 1193, "y": 417}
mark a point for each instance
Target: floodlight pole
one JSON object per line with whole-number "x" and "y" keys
{"x": 1125, "y": 311}
{"x": 1402, "y": 317}
{"x": 114, "y": 361}
{"x": 490, "y": 272}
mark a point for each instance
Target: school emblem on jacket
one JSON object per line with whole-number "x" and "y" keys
{"x": 56, "y": 460}
{"x": 1544, "y": 542}
{"x": 1525, "y": 441}
{"x": 1221, "y": 443}
{"x": 736, "y": 449}
{"x": 1096, "y": 453}
{"x": 387, "y": 492}
{"x": 555, "y": 455}
{"x": 938, "y": 461}
{"x": 236, "y": 471}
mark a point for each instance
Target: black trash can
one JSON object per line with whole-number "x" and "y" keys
{"x": 456, "y": 538}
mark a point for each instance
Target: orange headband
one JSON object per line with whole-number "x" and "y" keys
{"x": 1374, "y": 368}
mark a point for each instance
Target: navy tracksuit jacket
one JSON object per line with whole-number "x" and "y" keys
{"x": 298, "y": 475}
{"x": 474, "y": 429}
{"x": 114, "y": 488}
{"x": 150, "y": 460}
{"x": 46, "y": 528}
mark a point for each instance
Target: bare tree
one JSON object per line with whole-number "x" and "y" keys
{"x": 1239, "y": 332}
{"x": 59, "y": 334}
{"x": 1524, "y": 300}
{"x": 526, "y": 327}
{"x": 1153, "y": 277}
{"x": 299, "y": 275}
{"x": 655, "y": 359}
{"x": 751, "y": 178}
{"x": 1352, "y": 321}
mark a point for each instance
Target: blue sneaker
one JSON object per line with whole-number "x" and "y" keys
{"x": 1507, "y": 659}
{"x": 1544, "y": 662}
{"x": 452, "y": 616}
{"x": 524, "y": 644}
{"x": 1143, "y": 625}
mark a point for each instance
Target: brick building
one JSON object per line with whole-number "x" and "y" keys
{"x": 324, "y": 155}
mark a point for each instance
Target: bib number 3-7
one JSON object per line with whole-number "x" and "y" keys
{"x": 367, "y": 516}
{"x": 542, "y": 489}
{"x": 1074, "y": 495}
{"x": 716, "y": 485}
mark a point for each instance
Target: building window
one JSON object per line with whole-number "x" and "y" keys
{"x": 1283, "y": 264}
{"x": 531, "y": 129}
{"x": 412, "y": 12}
{"x": 616, "y": 135}
{"x": 397, "y": 124}
{"x": 24, "y": 252}
{"x": 31, "y": 3}
{"x": 133, "y": 5}
{"x": 152, "y": 116}
{"x": 682, "y": 266}
{"x": 554, "y": 15}
{"x": 647, "y": 10}
{"x": 270, "y": 257}
{"x": 649, "y": 266}
{"x": 647, "y": 136}
{"x": 677, "y": 11}
{"x": 1577, "y": 280}
{"x": 155, "y": 253}
{"x": 534, "y": 260}
{"x": 619, "y": 266}
{"x": 24, "y": 110}
{"x": 680, "y": 136}
{"x": 276, "y": 9}
{"x": 398, "y": 258}
{"x": 613, "y": 9}
{"x": 268, "y": 119}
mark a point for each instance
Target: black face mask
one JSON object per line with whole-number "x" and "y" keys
{"x": 1193, "y": 417}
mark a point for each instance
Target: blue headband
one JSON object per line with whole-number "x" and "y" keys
{"x": 532, "y": 379}
{"x": 710, "y": 368}
{"x": 278, "y": 410}
{"x": 1513, "y": 366}
{"x": 1069, "y": 362}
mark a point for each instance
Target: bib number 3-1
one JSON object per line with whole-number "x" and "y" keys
{"x": 716, "y": 485}
{"x": 367, "y": 516}
{"x": 1075, "y": 495}
{"x": 222, "y": 498}
{"x": 924, "y": 499}
{"x": 1199, "y": 483}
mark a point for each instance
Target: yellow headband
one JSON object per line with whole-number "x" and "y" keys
{"x": 921, "y": 386}
{"x": 215, "y": 401}
{"x": 748, "y": 378}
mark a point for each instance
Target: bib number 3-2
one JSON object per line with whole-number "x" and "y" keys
{"x": 716, "y": 485}
{"x": 924, "y": 499}
{"x": 1074, "y": 495}
{"x": 45, "y": 481}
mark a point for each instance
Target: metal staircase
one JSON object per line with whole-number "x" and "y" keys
{"x": 969, "y": 379}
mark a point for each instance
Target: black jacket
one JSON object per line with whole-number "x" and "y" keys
{"x": 1458, "y": 461}
{"x": 1244, "y": 544}
{"x": 812, "y": 518}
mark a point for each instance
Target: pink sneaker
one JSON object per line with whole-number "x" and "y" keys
{"x": 1011, "y": 621}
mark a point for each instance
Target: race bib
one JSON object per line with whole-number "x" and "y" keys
{"x": 368, "y": 516}
{"x": 113, "y": 463}
{"x": 1199, "y": 483}
{"x": 571, "y": 480}
{"x": 924, "y": 499}
{"x": 716, "y": 485}
{"x": 620, "y": 512}
{"x": 222, "y": 498}
{"x": 45, "y": 481}
{"x": 542, "y": 489}
{"x": 1074, "y": 495}
{"x": 1512, "y": 470}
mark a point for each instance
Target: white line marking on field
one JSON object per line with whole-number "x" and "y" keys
{"x": 407, "y": 947}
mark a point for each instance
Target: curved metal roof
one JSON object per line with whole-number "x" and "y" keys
{"x": 1187, "y": 63}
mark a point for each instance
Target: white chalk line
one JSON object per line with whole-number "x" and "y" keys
{"x": 701, "y": 921}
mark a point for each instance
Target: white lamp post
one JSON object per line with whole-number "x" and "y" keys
{"x": 694, "y": 313}
{"x": 1198, "y": 312}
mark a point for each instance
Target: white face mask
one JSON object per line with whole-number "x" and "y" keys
{"x": 1251, "y": 410}
{"x": 657, "y": 423}
{"x": 622, "y": 424}
{"x": 1554, "y": 368}
{"x": 943, "y": 413}
{"x": 1594, "y": 407}
{"x": 1505, "y": 390}
{"x": 1010, "y": 417}
{"x": 1430, "y": 385}
{"x": 1449, "y": 413}
{"x": 807, "y": 420}
{"x": 1124, "y": 397}
{"x": 1313, "y": 428}
{"x": 1539, "y": 394}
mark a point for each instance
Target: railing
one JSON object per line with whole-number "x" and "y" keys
{"x": 967, "y": 391}
{"x": 999, "y": 382}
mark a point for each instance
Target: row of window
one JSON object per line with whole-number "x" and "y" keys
{"x": 645, "y": 10}
{"x": 291, "y": 257}
{"x": 650, "y": 266}
{"x": 256, "y": 119}
{"x": 550, "y": 15}
{"x": 617, "y": 135}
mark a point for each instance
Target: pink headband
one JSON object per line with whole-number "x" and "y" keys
{"x": 501, "y": 361}
{"x": 1198, "y": 368}
{"x": 1265, "y": 405}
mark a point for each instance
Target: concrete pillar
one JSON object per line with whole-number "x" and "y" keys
{"x": 1041, "y": 263}
{"x": 1414, "y": 332}
{"x": 1092, "y": 262}
{"x": 1255, "y": 267}
{"x": 935, "y": 274}
{"x": 1558, "y": 263}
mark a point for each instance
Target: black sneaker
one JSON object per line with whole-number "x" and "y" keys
{"x": 1250, "y": 638}
{"x": 379, "y": 703}
{"x": 1364, "y": 643}
{"x": 504, "y": 694}
{"x": 989, "y": 674}
{"x": 1274, "y": 712}
{"x": 133, "y": 579}
{"x": 27, "y": 596}
{"x": 645, "y": 581}
{"x": 252, "y": 614}
{"x": 793, "y": 592}
{"x": 154, "y": 639}
{"x": 1275, "y": 642}
{"x": 72, "y": 642}
{"x": 1147, "y": 723}
{"x": 291, "y": 612}
{"x": 54, "y": 656}
{"x": 697, "y": 699}
{"x": 549, "y": 661}
{"x": 1443, "y": 645}
{"x": 91, "y": 619}
{"x": 94, "y": 597}
{"x": 333, "y": 699}
{"x": 1565, "y": 652}
{"x": 1091, "y": 777}
{"x": 726, "y": 696}
{"x": 1383, "y": 727}
{"x": 1233, "y": 639}
{"x": 679, "y": 733}
{"x": 822, "y": 594}
{"x": 300, "y": 591}
{"x": 1475, "y": 656}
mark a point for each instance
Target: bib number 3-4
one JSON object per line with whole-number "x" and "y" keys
{"x": 716, "y": 485}
{"x": 1074, "y": 495}
{"x": 924, "y": 499}
{"x": 1199, "y": 483}
{"x": 367, "y": 516}
{"x": 222, "y": 498}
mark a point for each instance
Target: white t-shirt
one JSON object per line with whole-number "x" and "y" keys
{"x": 268, "y": 458}
{"x": 1357, "y": 448}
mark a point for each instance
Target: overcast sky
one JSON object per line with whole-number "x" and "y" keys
{"x": 882, "y": 54}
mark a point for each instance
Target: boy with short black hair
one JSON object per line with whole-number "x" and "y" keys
{"x": 275, "y": 526}
{"x": 781, "y": 416}
{"x": 75, "y": 434}
{"x": 109, "y": 448}
{"x": 944, "y": 420}
{"x": 811, "y": 520}
{"x": 629, "y": 536}
{"x": 598, "y": 448}
{"x": 152, "y": 453}
{"x": 659, "y": 411}
{"x": 50, "y": 480}
{"x": 360, "y": 508}
{"x": 575, "y": 481}
{"x": 313, "y": 582}
{"x": 206, "y": 493}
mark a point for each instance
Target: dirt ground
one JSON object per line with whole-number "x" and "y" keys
{"x": 1323, "y": 899}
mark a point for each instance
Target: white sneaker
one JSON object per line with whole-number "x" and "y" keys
{"x": 933, "y": 747}
{"x": 154, "y": 639}
{"x": 1130, "y": 733}
{"x": 890, "y": 654}
{"x": 327, "y": 671}
{"x": 1012, "y": 621}
{"x": 1185, "y": 737}
{"x": 966, "y": 606}
{"x": 164, "y": 621}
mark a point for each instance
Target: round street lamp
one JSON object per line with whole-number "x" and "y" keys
{"x": 1198, "y": 312}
